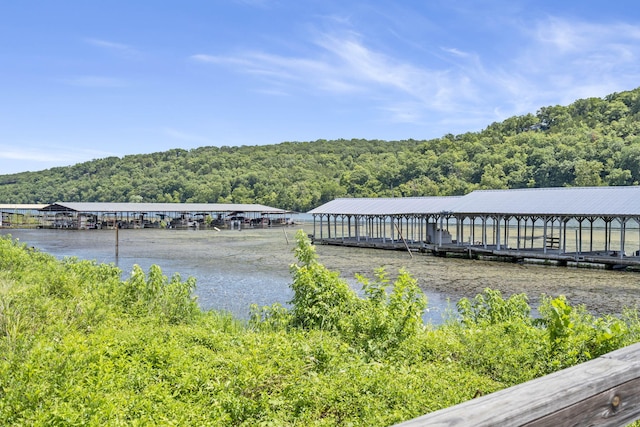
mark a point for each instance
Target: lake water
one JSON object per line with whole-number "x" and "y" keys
{"x": 233, "y": 269}
{"x": 236, "y": 269}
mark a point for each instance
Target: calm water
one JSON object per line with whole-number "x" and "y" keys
{"x": 233, "y": 269}
{"x": 236, "y": 269}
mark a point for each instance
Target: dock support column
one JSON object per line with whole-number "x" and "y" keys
{"x": 533, "y": 225}
{"x": 498, "y": 219}
{"x": 314, "y": 225}
{"x": 392, "y": 223}
{"x": 335, "y": 226}
{"x": 623, "y": 229}
{"x": 579, "y": 242}
{"x": 544, "y": 235}
{"x": 506, "y": 232}
{"x": 638, "y": 222}
{"x": 563, "y": 221}
{"x": 384, "y": 229}
{"x": 473, "y": 231}
{"x": 484, "y": 231}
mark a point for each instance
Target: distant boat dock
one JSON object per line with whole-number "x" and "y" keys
{"x": 96, "y": 215}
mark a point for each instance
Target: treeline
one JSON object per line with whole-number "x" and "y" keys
{"x": 592, "y": 142}
{"x": 80, "y": 346}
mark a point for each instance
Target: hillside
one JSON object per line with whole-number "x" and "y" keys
{"x": 593, "y": 141}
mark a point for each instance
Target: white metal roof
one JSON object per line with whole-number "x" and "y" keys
{"x": 560, "y": 201}
{"x": 386, "y": 206}
{"x": 160, "y": 207}
{"x": 19, "y": 206}
{"x": 570, "y": 201}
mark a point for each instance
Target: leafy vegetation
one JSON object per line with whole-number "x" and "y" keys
{"x": 80, "y": 346}
{"x": 594, "y": 141}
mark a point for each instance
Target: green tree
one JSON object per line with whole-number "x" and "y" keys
{"x": 588, "y": 173}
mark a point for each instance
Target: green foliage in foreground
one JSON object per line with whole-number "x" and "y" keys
{"x": 79, "y": 346}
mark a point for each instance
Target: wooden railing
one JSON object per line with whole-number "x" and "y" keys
{"x": 602, "y": 392}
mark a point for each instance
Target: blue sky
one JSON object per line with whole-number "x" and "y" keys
{"x": 81, "y": 80}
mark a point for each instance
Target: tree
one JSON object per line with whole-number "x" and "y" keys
{"x": 493, "y": 177}
{"x": 588, "y": 173}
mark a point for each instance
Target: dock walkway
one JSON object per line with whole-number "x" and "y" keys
{"x": 610, "y": 260}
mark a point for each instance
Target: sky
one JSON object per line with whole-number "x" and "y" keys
{"x": 82, "y": 80}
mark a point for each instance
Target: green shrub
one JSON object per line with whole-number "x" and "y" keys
{"x": 489, "y": 308}
{"x": 155, "y": 294}
{"x": 376, "y": 324}
{"x": 576, "y": 336}
{"x": 79, "y": 346}
{"x": 320, "y": 297}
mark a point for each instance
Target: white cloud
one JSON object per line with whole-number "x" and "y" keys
{"x": 556, "y": 61}
{"x": 213, "y": 59}
{"x": 455, "y": 52}
{"x": 566, "y": 60}
{"x": 118, "y": 48}
{"x": 345, "y": 65}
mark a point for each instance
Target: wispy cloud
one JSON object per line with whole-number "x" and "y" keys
{"x": 553, "y": 56}
{"x": 455, "y": 52}
{"x": 270, "y": 66}
{"x": 118, "y": 48}
{"x": 577, "y": 59}
{"x": 343, "y": 65}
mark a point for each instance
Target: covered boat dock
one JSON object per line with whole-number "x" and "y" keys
{"x": 92, "y": 215}
{"x": 582, "y": 225}
{"x": 20, "y": 215}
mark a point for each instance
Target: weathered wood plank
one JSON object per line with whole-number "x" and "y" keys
{"x": 602, "y": 392}
{"x": 613, "y": 407}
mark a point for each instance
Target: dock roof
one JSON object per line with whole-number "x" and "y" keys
{"x": 560, "y": 201}
{"x": 160, "y": 207}
{"x": 20, "y": 206}
{"x": 612, "y": 202}
{"x": 386, "y": 206}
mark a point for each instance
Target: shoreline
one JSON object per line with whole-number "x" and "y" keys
{"x": 252, "y": 253}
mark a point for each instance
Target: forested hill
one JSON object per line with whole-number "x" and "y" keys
{"x": 593, "y": 141}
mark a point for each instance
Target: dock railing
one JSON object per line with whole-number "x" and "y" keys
{"x": 602, "y": 392}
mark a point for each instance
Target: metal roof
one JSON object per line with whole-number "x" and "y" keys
{"x": 386, "y": 206}
{"x": 18, "y": 206}
{"x": 159, "y": 207}
{"x": 560, "y": 201}
{"x": 569, "y": 201}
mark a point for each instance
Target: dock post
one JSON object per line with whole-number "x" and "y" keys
{"x": 115, "y": 223}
